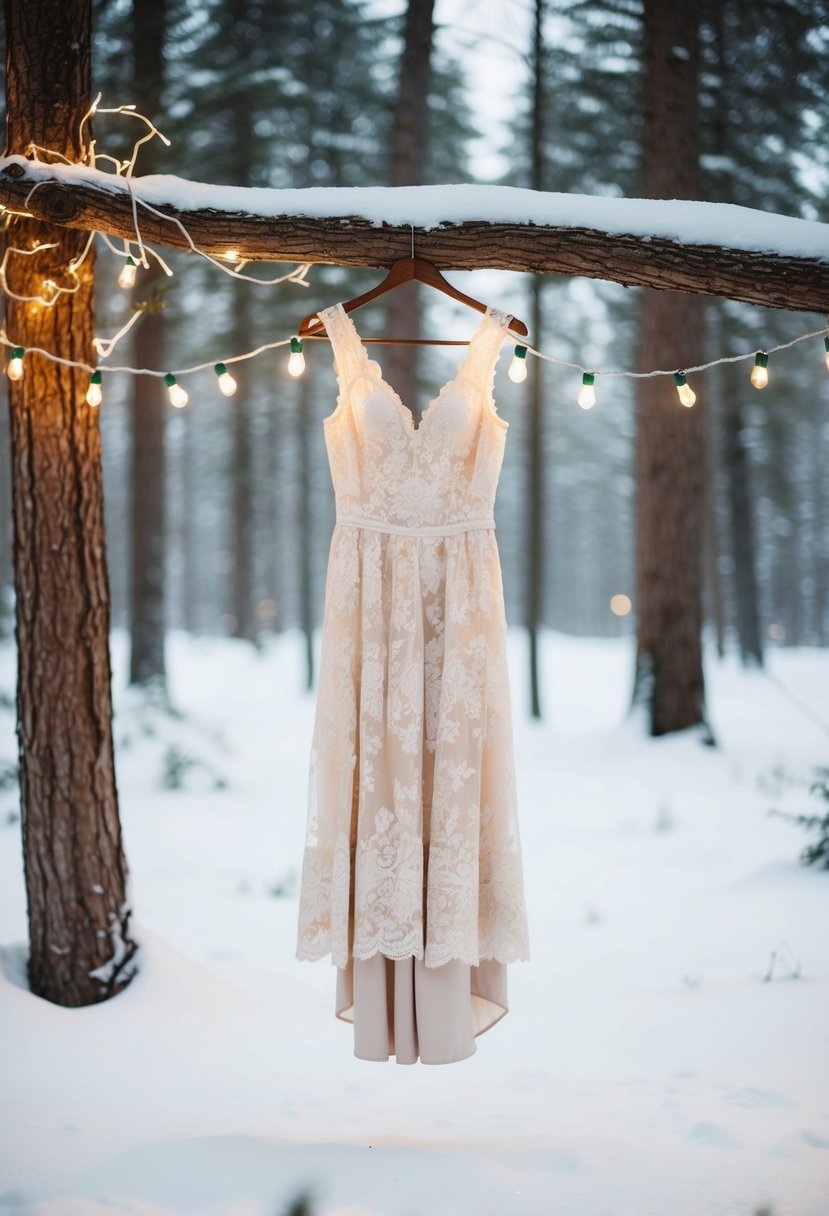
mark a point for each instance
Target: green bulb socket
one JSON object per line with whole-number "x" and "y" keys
{"x": 220, "y": 369}
{"x": 296, "y": 346}
{"x": 96, "y": 378}
{"x": 520, "y": 352}
{"x": 170, "y": 380}
{"x": 588, "y": 378}
{"x": 761, "y": 359}
{"x": 18, "y": 352}
{"x": 680, "y": 379}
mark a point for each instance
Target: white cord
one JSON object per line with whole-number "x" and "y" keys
{"x": 520, "y": 340}
{"x": 700, "y": 367}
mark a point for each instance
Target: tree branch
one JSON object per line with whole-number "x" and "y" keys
{"x": 277, "y": 229}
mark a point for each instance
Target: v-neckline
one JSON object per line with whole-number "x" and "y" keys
{"x": 407, "y": 415}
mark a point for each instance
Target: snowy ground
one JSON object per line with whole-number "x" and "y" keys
{"x": 647, "y": 1065}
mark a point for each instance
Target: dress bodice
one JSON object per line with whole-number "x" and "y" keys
{"x": 387, "y": 471}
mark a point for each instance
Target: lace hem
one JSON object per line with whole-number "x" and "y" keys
{"x": 497, "y": 930}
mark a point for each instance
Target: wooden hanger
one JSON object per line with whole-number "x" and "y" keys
{"x": 406, "y": 270}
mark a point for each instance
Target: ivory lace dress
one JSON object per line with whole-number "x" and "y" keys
{"x": 412, "y": 874}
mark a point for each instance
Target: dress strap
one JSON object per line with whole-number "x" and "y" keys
{"x": 482, "y": 355}
{"x": 349, "y": 352}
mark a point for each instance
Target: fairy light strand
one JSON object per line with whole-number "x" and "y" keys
{"x": 292, "y": 342}
{"x": 699, "y": 367}
{"x": 133, "y": 257}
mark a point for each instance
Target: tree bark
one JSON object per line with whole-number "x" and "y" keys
{"x": 75, "y": 869}
{"x": 148, "y": 405}
{"x": 305, "y": 398}
{"x": 242, "y": 521}
{"x": 100, "y": 201}
{"x": 741, "y": 508}
{"x": 242, "y": 474}
{"x": 535, "y": 439}
{"x": 670, "y": 453}
{"x": 409, "y": 149}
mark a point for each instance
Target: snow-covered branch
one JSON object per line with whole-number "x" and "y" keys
{"x": 710, "y": 249}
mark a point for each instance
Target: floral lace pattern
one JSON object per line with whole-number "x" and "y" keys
{"x": 412, "y": 844}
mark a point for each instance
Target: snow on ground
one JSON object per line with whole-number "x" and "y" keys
{"x": 647, "y": 1066}
{"x": 426, "y": 207}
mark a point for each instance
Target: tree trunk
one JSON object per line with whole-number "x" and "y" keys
{"x": 75, "y": 869}
{"x": 411, "y": 143}
{"x": 305, "y": 397}
{"x": 6, "y": 573}
{"x": 742, "y": 522}
{"x": 671, "y": 438}
{"x": 242, "y": 522}
{"x": 240, "y": 405}
{"x": 535, "y": 438}
{"x": 148, "y": 404}
{"x": 711, "y": 542}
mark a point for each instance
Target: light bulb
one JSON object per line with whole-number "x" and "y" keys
{"x": 518, "y": 368}
{"x": 15, "y": 368}
{"x": 759, "y": 373}
{"x": 826, "y": 356}
{"x": 296, "y": 360}
{"x": 226, "y": 382}
{"x": 686, "y": 394}
{"x": 178, "y": 396}
{"x": 127, "y": 276}
{"x": 587, "y": 393}
{"x": 94, "y": 394}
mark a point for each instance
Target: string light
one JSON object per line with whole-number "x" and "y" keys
{"x": 686, "y": 394}
{"x": 826, "y": 356}
{"x": 226, "y": 382}
{"x": 518, "y": 368}
{"x": 16, "y": 352}
{"x": 587, "y": 393}
{"x": 178, "y": 396}
{"x": 15, "y": 367}
{"x": 759, "y": 373}
{"x": 127, "y": 276}
{"x": 296, "y": 359}
{"x": 94, "y": 394}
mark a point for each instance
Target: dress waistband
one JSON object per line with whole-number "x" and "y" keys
{"x": 464, "y": 525}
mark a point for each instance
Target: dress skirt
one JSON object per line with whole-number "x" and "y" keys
{"x": 402, "y": 1008}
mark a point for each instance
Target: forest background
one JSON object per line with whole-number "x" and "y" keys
{"x": 227, "y": 528}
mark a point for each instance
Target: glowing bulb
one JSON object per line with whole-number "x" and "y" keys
{"x": 226, "y": 382}
{"x": 759, "y": 373}
{"x": 826, "y": 356}
{"x": 686, "y": 394}
{"x": 178, "y": 397}
{"x": 231, "y": 255}
{"x": 296, "y": 361}
{"x": 15, "y": 368}
{"x": 94, "y": 394}
{"x": 127, "y": 276}
{"x": 518, "y": 368}
{"x": 587, "y": 393}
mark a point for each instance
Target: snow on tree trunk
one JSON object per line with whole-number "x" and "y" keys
{"x": 75, "y": 868}
{"x": 670, "y": 454}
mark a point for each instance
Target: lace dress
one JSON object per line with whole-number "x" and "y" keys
{"x": 412, "y": 875}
